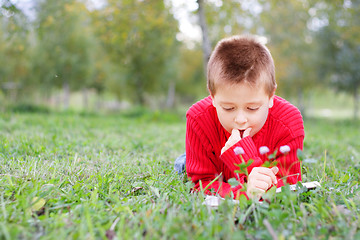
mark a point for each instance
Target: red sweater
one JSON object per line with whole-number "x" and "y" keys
{"x": 205, "y": 137}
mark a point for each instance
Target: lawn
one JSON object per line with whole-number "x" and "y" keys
{"x": 93, "y": 176}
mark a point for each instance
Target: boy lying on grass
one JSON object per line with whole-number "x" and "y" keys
{"x": 243, "y": 114}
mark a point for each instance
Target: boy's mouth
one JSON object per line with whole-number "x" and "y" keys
{"x": 241, "y": 133}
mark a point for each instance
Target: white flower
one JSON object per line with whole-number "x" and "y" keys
{"x": 284, "y": 149}
{"x": 239, "y": 151}
{"x": 263, "y": 150}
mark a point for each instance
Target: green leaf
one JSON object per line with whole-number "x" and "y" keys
{"x": 37, "y": 204}
{"x": 270, "y": 194}
{"x": 155, "y": 191}
{"x": 243, "y": 167}
{"x": 273, "y": 155}
{"x": 300, "y": 154}
{"x": 266, "y": 164}
{"x": 344, "y": 178}
{"x": 233, "y": 182}
{"x": 243, "y": 201}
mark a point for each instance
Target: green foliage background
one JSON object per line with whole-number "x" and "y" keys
{"x": 131, "y": 50}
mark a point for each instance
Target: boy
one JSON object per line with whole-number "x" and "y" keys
{"x": 241, "y": 116}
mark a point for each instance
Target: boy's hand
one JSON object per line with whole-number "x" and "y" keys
{"x": 261, "y": 179}
{"x": 234, "y": 138}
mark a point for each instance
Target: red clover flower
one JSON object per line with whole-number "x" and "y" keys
{"x": 239, "y": 151}
{"x": 264, "y": 150}
{"x": 284, "y": 149}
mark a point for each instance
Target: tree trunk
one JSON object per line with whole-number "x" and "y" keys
{"x": 139, "y": 91}
{"x": 45, "y": 97}
{"x": 85, "y": 99}
{"x": 206, "y": 46}
{"x": 170, "y": 101}
{"x": 356, "y": 102}
{"x": 66, "y": 90}
{"x": 98, "y": 104}
{"x": 57, "y": 101}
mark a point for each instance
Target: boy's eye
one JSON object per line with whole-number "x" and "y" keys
{"x": 253, "y": 108}
{"x": 228, "y": 108}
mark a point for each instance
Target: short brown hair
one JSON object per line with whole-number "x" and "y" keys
{"x": 241, "y": 59}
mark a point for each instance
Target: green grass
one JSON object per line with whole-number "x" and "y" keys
{"x": 88, "y": 176}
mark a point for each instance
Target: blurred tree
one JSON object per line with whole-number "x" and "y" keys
{"x": 285, "y": 24}
{"x": 65, "y": 48}
{"x": 129, "y": 47}
{"x": 140, "y": 38}
{"x": 206, "y": 45}
{"x": 217, "y": 19}
{"x": 222, "y": 19}
{"x": 227, "y": 18}
{"x": 191, "y": 74}
{"x": 14, "y": 51}
{"x": 339, "y": 46}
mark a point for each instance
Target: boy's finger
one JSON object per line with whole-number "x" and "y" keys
{"x": 247, "y": 132}
{"x": 234, "y": 138}
{"x": 263, "y": 185}
{"x": 275, "y": 170}
{"x": 269, "y": 172}
{"x": 262, "y": 178}
{"x": 235, "y": 133}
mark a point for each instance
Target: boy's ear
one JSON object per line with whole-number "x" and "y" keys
{"x": 271, "y": 102}
{"x": 212, "y": 100}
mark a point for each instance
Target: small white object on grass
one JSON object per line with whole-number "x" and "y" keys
{"x": 214, "y": 201}
{"x": 308, "y": 185}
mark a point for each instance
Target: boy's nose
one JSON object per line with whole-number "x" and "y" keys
{"x": 240, "y": 118}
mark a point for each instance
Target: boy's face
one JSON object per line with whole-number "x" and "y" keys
{"x": 241, "y": 106}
